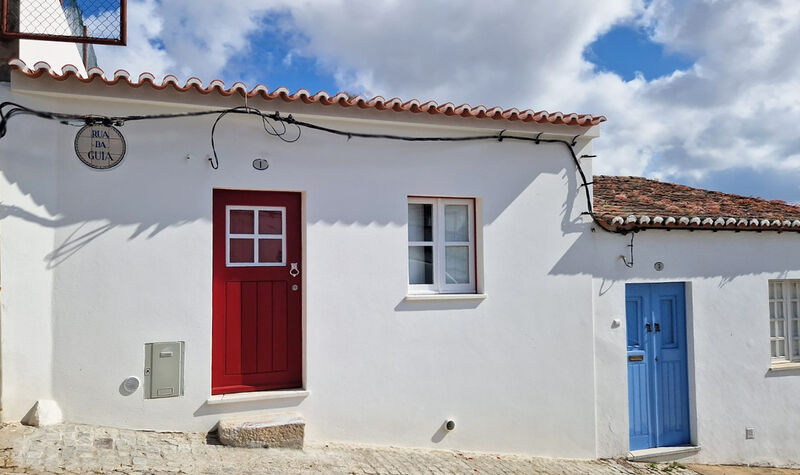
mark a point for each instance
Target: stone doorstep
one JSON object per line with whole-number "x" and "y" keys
{"x": 663, "y": 454}
{"x": 284, "y": 431}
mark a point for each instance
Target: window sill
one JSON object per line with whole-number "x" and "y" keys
{"x": 234, "y": 398}
{"x": 429, "y": 297}
{"x": 785, "y": 366}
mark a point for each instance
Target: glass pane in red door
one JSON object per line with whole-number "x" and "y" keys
{"x": 241, "y": 221}
{"x": 270, "y": 222}
{"x": 241, "y": 250}
{"x": 270, "y": 250}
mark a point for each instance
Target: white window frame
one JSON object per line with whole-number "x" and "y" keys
{"x": 440, "y": 285}
{"x": 255, "y": 236}
{"x": 791, "y": 342}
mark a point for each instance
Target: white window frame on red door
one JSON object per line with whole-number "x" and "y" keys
{"x": 255, "y": 236}
{"x": 440, "y": 285}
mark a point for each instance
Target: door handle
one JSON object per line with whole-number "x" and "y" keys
{"x": 294, "y": 271}
{"x": 648, "y": 327}
{"x": 658, "y": 327}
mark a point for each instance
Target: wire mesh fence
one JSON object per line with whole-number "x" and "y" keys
{"x": 76, "y": 21}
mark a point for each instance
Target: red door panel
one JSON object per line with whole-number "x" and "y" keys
{"x": 257, "y": 313}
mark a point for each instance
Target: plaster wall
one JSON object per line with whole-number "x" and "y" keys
{"x": 125, "y": 258}
{"x": 55, "y": 53}
{"x": 731, "y": 387}
{"x": 26, "y": 282}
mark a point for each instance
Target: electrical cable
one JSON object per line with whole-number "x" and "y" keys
{"x": 269, "y": 121}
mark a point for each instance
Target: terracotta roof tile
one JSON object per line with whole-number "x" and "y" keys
{"x": 343, "y": 100}
{"x": 627, "y": 202}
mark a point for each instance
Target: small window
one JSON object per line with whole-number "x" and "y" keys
{"x": 784, "y": 320}
{"x": 256, "y": 236}
{"x": 441, "y": 245}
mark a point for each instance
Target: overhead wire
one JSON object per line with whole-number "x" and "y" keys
{"x": 9, "y": 110}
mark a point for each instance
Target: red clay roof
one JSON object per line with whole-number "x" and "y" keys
{"x": 628, "y": 202}
{"x": 341, "y": 99}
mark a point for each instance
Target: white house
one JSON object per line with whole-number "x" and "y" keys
{"x": 729, "y": 267}
{"x": 379, "y": 287}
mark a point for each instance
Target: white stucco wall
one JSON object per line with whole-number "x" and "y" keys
{"x": 728, "y": 332}
{"x": 55, "y": 53}
{"x": 124, "y": 258}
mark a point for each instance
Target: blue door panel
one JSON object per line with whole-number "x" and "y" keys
{"x": 639, "y": 407}
{"x": 637, "y": 300}
{"x": 634, "y": 321}
{"x": 658, "y": 392}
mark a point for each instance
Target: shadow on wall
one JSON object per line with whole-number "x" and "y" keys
{"x": 232, "y": 409}
{"x": 352, "y": 182}
{"x": 440, "y": 433}
{"x": 684, "y": 254}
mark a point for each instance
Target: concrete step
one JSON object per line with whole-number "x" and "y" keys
{"x": 266, "y": 431}
{"x": 663, "y": 454}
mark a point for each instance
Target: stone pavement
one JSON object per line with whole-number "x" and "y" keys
{"x": 71, "y": 448}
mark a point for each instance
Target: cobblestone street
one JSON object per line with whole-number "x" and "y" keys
{"x": 70, "y": 448}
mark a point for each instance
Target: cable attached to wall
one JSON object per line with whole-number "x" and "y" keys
{"x": 629, "y": 262}
{"x": 276, "y": 125}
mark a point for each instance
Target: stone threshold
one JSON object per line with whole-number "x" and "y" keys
{"x": 257, "y": 396}
{"x": 663, "y": 454}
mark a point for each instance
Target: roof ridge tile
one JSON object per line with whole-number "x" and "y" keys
{"x": 378, "y": 102}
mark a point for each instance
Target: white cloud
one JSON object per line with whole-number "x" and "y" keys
{"x": 736, "y": 108}
{"x": 145, "y": 26}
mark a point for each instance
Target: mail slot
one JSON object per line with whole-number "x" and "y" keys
{"x": 636, "y": 358}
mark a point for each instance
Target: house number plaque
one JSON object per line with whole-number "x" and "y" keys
{"x": 100, "y": 146}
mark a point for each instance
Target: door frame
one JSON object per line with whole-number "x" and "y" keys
{"x": 303, "y": 292}
{"x": 690, "y": 357}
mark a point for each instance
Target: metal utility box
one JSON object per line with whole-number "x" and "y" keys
{"x": 163, "y": 369}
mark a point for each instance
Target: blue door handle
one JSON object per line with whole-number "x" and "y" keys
{"x": 648, "y": 327}
{"x": 658, "y": 327}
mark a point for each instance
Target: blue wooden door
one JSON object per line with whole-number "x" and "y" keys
{"x": 658, "y": 388}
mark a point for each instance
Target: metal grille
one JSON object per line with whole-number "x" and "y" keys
{"x": 74, "y": 21}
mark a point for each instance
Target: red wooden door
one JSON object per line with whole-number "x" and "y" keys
{"x": 257, "y": 314}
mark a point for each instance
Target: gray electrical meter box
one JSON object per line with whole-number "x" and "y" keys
{"x": 163, "y": 369}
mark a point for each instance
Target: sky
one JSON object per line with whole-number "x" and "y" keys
{"x": 700, "y": 92}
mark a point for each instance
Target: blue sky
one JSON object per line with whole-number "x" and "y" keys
{"x": 627, "y": 50}
{"x": 273, "y": 61}
{"x": 272, "y": 58}
{"x": 701, "y": 92}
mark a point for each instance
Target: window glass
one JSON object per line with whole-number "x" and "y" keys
{"x": 441, "y": 245}
{"x": 241, "y": 250}
{"x": 420, "y": 222}
{"x": 256, "y": 237}
{"x": 270, "y": 222}
{"x": 456, "y": 223}
{"x": 241, "y": 221}
{"x": 457, "y": 264}
{"x": 270, "y": 250}
{"x": 420, "y": 264}
{"x": 784, "y": 320}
